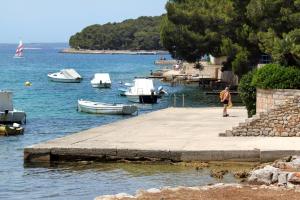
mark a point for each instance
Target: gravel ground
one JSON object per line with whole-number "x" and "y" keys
{"x": 225, "y": 192}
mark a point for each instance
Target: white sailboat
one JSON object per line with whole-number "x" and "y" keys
{"x": 19, "y": 50}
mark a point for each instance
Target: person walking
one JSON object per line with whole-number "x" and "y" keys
{"x": 225, "y": 97}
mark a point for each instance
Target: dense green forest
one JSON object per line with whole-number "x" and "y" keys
{"x": 133, "y": 34}
{"x": 242, "y": 30}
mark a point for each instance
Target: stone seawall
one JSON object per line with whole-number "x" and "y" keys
{"x": 281, "y": 119}
{"x": 269, "y": 99}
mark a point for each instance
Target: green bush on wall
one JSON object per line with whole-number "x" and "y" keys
{"x": 274, "y": 76}
{"x": 271, "y": 76}
{"x": 247, "y": 93}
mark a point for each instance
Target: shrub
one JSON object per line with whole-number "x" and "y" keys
{"x": 274, "y": 76}
{"x": 271, "y": 76}
{"x": 247, "y": 92}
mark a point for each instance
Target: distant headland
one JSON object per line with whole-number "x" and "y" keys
{"x": 128, "y": 52}
{"x": 142, "y": 34}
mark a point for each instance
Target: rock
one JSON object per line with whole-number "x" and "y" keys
{"x": 291, "y": 164}
{"x": 153, "y": 190}
{"x": 294, "y": 177}
{"x": 264, "y": 175}
{"x": 117, "y": 196}
{"x": 290, "y": 186}
{"x": 275, "y": 176}
{"x": 288, "y": 158}
{"x": 218, "y": 173}
{"x": 282, "y": 179}
{"x": 196, "y": 165}
{"x": 284, "y": 134}
{"x": 295, "y": 162}
{"x": 241, "y": 175}
{"x": 284, "y": 166}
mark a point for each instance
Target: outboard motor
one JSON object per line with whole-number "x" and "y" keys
{"x": 161, "y": 91}
{"x": 152, "y": 92}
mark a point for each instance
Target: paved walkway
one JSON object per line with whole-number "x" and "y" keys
{"x": 173, "y": 133}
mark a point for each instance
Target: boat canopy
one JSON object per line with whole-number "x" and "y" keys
{"x": 70, "y": 74}
{"x": 142, "y": 87}
{"x": 6, "y": 101}
{"x": 104, "y": 77}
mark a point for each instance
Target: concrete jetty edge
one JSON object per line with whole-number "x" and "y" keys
{"x": 172, "y": 134}
{"x": 35, "y": 155}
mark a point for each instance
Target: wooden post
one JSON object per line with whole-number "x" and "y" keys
{"x": 182, "y": 100}
{"x": 174, "y": 100}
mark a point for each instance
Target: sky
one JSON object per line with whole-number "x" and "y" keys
{"x": 56, "y": 20}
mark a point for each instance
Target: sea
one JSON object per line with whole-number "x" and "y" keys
{"x": 51, "y": 113}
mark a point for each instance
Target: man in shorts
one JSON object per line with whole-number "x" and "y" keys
{"x": 226, "y": 100}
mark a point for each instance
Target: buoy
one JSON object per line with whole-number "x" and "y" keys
{"x": 27, "y": 83}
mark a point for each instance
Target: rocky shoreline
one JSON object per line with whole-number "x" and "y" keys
{"x": 278, "y": 180}
{"x": 214, "y": 192}
{"x": 127, "y": 52}
{"x": 283, "y": 173}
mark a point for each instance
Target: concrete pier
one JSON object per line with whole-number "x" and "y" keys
{"x": 176, "y": 134}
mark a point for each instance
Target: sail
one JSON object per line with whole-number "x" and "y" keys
{"x": 19, "y": 50}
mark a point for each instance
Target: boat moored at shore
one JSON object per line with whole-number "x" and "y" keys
{"x": 101, "y": 80}
{"x": 8, "y": 114}
{"x": 105, "y": 108}
{"x": 142, "y": 91}
{"x": 65, "y": 76}
{"x": 15, "y": 129}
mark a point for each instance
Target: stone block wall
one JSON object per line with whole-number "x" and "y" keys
{"x": 269, "y": 99}
{"x": 282, "y": 120}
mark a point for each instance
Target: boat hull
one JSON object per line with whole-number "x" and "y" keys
{"x": 148, "y": 99}
{"x": 64, "y": 80}
{"x": 10, "y": 131}
{"x": 18, "y": 57}
{"x": 111, "y": 109}
{"x": 102, "y": 85}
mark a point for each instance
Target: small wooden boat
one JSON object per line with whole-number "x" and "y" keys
{"x": 6, "y": 130}
{"x": 165, "y": 62}
{"x": 65, "y": 76}
{"x": 104, "y": 108}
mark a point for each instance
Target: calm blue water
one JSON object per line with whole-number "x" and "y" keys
{"x": 51, "y": 113}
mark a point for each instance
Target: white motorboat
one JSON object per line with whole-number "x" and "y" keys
{"x": 19, "y": 50}
{"x": 101, "y": 80}
{"x": 104, "y": 108}
{"x": 65, "y": 76}
{"x": 8, "y": 114}
{"x": 142, "y": 91}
